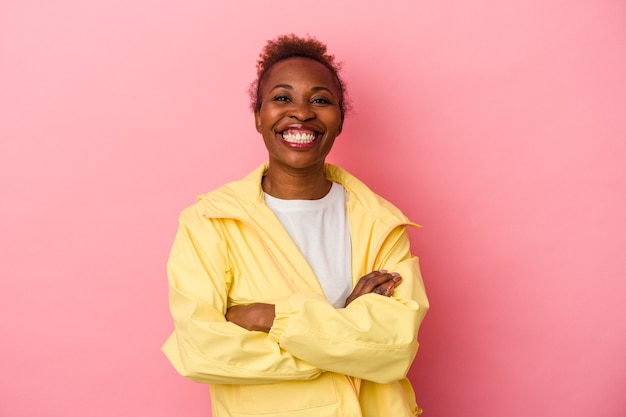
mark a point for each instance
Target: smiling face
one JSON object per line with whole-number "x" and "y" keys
{"x": 300, "y": 114}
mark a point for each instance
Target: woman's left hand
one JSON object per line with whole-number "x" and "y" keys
{"x": 256, "y": 316}
{"x": 378, "y": 282}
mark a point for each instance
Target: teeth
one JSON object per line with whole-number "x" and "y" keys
{"x": 300, "y": 137}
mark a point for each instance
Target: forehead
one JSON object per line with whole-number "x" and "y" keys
{"x": 300, "y": 71}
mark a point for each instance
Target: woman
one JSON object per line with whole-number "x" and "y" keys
{"x": 293, "y": 290}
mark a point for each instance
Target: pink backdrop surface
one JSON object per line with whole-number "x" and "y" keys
{"x": 498, "y": 126}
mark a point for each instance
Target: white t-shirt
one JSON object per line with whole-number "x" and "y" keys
{"x": 320, "y": 229}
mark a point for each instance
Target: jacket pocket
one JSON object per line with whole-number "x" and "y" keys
{"x": 315, "y": 398}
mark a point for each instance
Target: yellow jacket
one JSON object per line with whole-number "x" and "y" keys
{"x": 316, "y": 361}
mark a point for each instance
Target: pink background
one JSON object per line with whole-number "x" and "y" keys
{"x": 498, "y": 126}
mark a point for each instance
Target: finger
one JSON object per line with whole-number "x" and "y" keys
{"x": 387, "y": 288}
{"x": 381, "y": 289}
{"x": 379, "y": 282}
{"x": 371, "y": 281}
{"x": 396, "y": 280}
{"x": 366, "y": 279}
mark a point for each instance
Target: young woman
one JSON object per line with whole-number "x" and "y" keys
{"x": 293, "y": 290}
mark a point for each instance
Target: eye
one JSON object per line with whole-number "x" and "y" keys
{"x": 281, "y": 98}
{"x": 320, "y": 100}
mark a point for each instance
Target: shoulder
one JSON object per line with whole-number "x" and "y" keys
{"x": 232, "y": 199}
{"x": 359, "y": 194}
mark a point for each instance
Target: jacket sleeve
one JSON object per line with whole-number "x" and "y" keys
{"x": 374, "y": 337}
{"x": 204, "y": 347}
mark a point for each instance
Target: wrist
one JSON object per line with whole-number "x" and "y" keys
{"x": 264, "y": 317}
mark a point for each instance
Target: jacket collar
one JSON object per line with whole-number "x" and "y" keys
{"x": 240, "y": 199}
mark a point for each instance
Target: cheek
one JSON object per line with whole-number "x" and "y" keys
{"x": 267, "y": 117}
{"x": 261, "y": 122}
{"x": 333, "y": 122}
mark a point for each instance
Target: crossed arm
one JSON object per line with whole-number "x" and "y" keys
{"x": 260, "y": 316}
{"x": 300, "y": 336}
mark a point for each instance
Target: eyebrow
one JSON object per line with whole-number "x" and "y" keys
{"x": 289, "y": 87}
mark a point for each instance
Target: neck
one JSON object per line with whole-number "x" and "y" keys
{"x": 286, "y": 185}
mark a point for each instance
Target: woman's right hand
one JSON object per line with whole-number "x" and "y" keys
{"x": 378, "y": 282}
{"x": 255, "y": 316}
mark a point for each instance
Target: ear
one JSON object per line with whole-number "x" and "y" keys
{"x": 257, "y": 121}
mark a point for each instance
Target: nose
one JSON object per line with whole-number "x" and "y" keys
{"x": 301, "y": 110}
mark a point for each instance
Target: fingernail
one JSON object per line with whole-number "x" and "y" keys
{"x": 384, "y": 271}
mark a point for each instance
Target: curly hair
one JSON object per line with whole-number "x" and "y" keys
{"x": 290, "y": 46}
